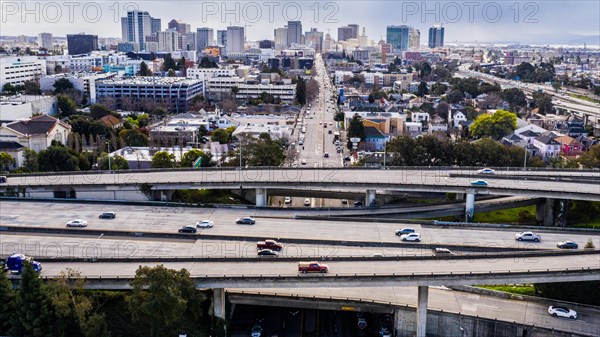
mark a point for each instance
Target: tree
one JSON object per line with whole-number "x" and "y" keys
{"x": 57, "y": 159}
{"x": 301, "y": 91}
{"x": 30, "y": 160}
{"x": 159, "y": 112}
{"x": 6, "y": 161}
{"x": 439, "y": 88}
{"x": 442, "y": 109}
{"x": 144, "y": 70}
{"x": 591, "y": 158}
{"x": 207, "y": 63}
{"x": 356, "y": 128}
{"x": 9, "y": 88}
{"x": 543, "y": 102}
{"x": 163, "y": 160}
{"x": 133, "y": 137}
{"x": 66, "y": 106}
{"x": 425, "y": 70}
{"x": 496, "y": 126}
{"x": 98, "y": 111}
{"x": 422, "y": 90}
{"x": 62, "y": 85}
{"x": 220, "y": 135}
{"x": 371, "y": 98}
{"x": 116, "y": 163}
{"x": 171, "y": 73}
{"x": 515, "y": 97}
{"x": 312, "y": 90}
{"x": 169, "y": 63}
{"x": 163, "y": 300}
{"x": 8, "y": 307}
{"x": 263, "y": 151}
{"x": 454, "y": 96}
{"x": 34, "y": 307}
{"x": 190, "y": 157}
{"x": 32, "y": 88}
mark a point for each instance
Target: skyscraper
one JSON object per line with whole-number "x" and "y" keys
{"x": 354, "y": 27}
{"x": 81, "y": 43}
{"x": 294, "y": 33}
{"x": 168, "y": 41}
{"x": 235, "y": 39}
{"x": 436, "y": 37}
{"x": 45, "y": 40}
{"x": 137, "y": 25}
{"x": 344, "y": 33}
{"x": 281, "y": 38}
{"x": 222, "y": 38}
{"x": 397, "y": 36}
{"x": 179, "y": 26}
{"x": 414, "y": 39}
{"x": 204, "y": 38}
{"x": 314, "y": 38}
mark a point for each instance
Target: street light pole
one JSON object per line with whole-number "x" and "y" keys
{"x": 108, "y": 144}
{"x": 525, "y": 160}
{"x": 384, "y": 152}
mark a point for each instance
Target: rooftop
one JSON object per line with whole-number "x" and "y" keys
{"x": 139, "y": 80}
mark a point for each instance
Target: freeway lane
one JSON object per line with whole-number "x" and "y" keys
{"x": 355, "y": 268}
{"x": 170, "y": 219}
{"x": 524, "y": 312}
{"x": 332, "y": 179}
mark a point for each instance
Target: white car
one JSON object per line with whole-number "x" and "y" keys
{"x": 306, "y": 202}
{"x": 204, "y": 224}
{"x": 528, "y": 236}
{"x": 562, "y": 312}
{"x": 287, "y": 201}
{"x": 303, "y": 161}
{"x": 77, "y": 223}
{"x": 486, "y": 171}
{"x": 416, "y": 237}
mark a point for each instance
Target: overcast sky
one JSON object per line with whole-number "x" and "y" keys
{"x": 530, "y": 22}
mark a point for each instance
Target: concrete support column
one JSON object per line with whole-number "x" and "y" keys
{"x": 261, "y": 197}
{"x": 371, "y": 198}
{"x": 470, "y": 207}
{"x": 553, "y": 212}
{"x": 460, "y": 196}
{"x": 422, "y": 311}
{"x": 219, "y": 302}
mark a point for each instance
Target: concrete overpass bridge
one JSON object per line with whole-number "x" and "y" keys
{"x": 274, "y": 274}
{"x": 553, "y": 185}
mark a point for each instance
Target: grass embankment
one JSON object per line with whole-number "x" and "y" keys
{"x": 527, "y": 289}
{"x": 208, "y": 197}
{"x": 525, "y": 215}
{"x": 585, "y": 98}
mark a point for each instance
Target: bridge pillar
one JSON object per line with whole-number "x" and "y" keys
{"x": 422, "y": 311}
{"x": 371, "y": 198}
{"x": 219, "y": 303}
{"x": 553, "y": 212}
{"x": 460, "y": 196}
{"x": 470, "y": 207}
{"x": 261, "y": 197}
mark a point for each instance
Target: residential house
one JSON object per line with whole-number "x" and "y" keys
{"x": 419, "y": 116}
{"x": 549, "y": 148}
{"x": 575, "y": 129}
{"x": 437, "y": 123}
{"x": 15, "y": 150}
{"x": 587, "y": 142}
{"x": 376, "y": 159}
{"x": 528, "y": 136}
{"x": 374, "y": 139}
{"x": 464, "y": 128}
{"x": 36, "y": 133}
{"x": 569, "y": 146}
{"x": 111, "y": 121}
{"x": 457, "y": 117}
{"x": 417, "y": 102}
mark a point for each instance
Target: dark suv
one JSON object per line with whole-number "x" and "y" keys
{"x": 108, "y": 215}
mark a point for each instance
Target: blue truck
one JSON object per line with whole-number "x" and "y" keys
{"x": 16, "y": 262}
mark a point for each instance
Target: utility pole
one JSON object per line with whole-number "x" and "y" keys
{"x": 108, "y": 144}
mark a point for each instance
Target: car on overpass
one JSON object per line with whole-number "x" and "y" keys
{"x": 245, "y": 221}
{"x": 312, "y": 267}
{"x": 269, "y": 244}
{"x": 187, "y": 229}
{"x": 567, "y": 245}
{"x": 267, "y": 252}
{"x": 307, "y": 202}
{"x": 2, "y": 179}
{"x": 528, "y": 236}
{"x": 562, "y": 312}
{"x": 77, "y": 223}
{"x": 479, "y": 183}
{"x": 416, "y": 237}
{"x": 108, "y": 215}
{"x": 486, "y": 171}
{"x": 205, "y": 224}
{"x": 256, "y": 331}
{"x": 403, "y": 231}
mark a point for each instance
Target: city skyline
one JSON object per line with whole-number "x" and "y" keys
{"x": 536, "y": 21}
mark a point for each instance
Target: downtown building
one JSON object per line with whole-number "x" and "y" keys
{"x": 398, "y": 37}
{"x": 235, "y": 39}
{"x": 137, "y": 25}
{"x": 204, "y": 38}
{"x": 18, "y": 69}
{"x": 45, "y": 40}
{"x": 294, "y": 33}
{"x": 78, "y": 44}
{"x": 436, "y": 37}
{"x": 176, "y": 93}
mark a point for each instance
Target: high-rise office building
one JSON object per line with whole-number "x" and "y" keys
{"x": 204, "y": 38}
{"x": 314, "y": 39}
{"x": 354, "y": 28}
{"x": 344, "y": 33}
{"x": 414, "y": 39}
{"x": 168, "y": 41}
{"x": 281, "y": 38}
{"x": 180, "y": 26}
{"x": 294, "y": 33}
{"x": 137, "y": 25}
{"x": 222, "y": 38}
{"x": 81, "y": 43}
{"x": 45, "y": 40}
{"x": 397, "y": 36}
{"x": 436, "y": 37}
{"x": 235, "y": 39}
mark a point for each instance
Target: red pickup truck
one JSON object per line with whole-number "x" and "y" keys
{"x": 312, "y": 267}
{"x": 269, "y": 244}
